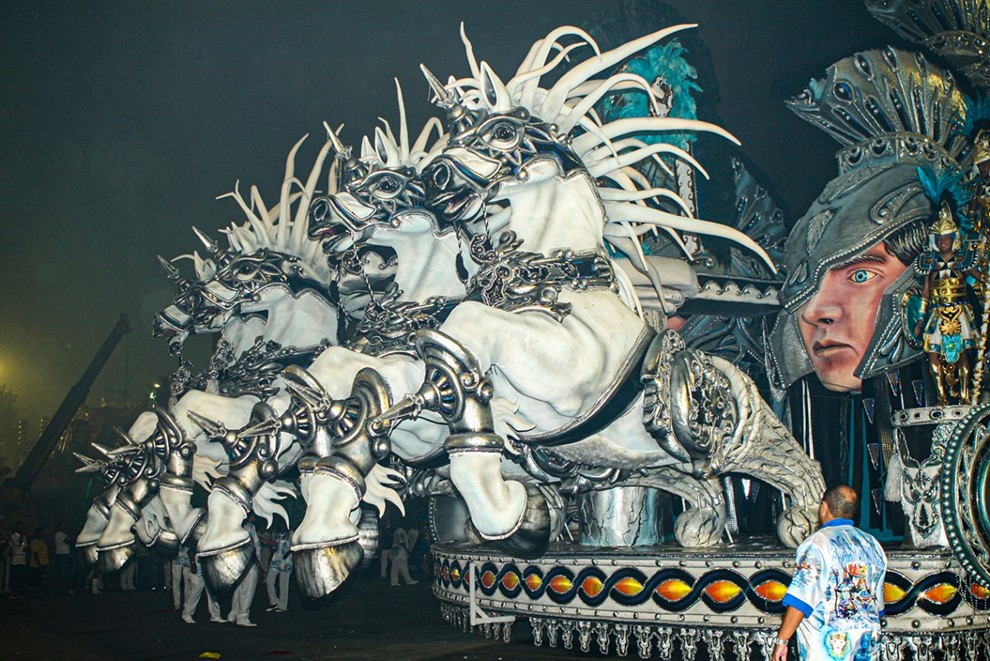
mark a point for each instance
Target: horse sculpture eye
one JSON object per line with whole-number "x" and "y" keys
{"x": 245, "y": 272}
{"x": 503, "y": 135}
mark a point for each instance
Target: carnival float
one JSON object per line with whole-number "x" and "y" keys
{"x": 521, "y": 314}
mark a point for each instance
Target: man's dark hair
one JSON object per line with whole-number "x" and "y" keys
{"x": 842, "y": 501}
{"x": 907, "y": 242}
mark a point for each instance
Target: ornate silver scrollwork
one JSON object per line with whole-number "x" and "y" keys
{"x": 965, "y": 493}
{"x": 704, "y": 408}
{"x": 516, "y": 280}
{"x": 390, "y": 323}
{"x": 919, "y": 490}
{"x": 656, "y": 378}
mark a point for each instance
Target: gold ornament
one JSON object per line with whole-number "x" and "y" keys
{"x": 981, "y": 147}
{"x": 945, "y": 224}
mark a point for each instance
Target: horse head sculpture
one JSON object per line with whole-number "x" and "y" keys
{"x": 377, "y": 210}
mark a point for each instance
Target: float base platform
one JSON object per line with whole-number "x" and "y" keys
{"x": 725, "y": 602}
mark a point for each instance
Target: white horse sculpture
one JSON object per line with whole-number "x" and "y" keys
{"x": 380, "y": 205}
{"x": 109, "y": 539}
{"x": 268, "y": 296}
{"x": 551, "y": 327}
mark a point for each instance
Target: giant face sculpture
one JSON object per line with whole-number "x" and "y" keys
{"x": 847, "y": 269}
{"x": 838, "y": 322}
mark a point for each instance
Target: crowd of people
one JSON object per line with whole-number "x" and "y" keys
{"x": 25, "y": 560}
{"x": 46, "y": 561}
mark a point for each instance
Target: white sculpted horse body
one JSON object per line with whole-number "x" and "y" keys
{"x": 379, "y": 204}
{"x": 549, "y": 336}
{"x": 268, "y": 297}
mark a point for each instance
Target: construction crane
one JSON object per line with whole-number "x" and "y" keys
{"x": 42, "y": 449}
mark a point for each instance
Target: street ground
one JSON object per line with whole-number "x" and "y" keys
{"x": 366, "y": 619}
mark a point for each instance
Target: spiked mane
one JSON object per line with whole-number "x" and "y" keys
{"x": 608, "y": 149}
{"x": 389, "y": 152}
{"x": 282, "y": 228}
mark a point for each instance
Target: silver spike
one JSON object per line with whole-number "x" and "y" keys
{"x": 123, "y": 451}
{"x": 102, "y": 450}
{"x": 261, "y": 428}
{"x": 213, "y": 428}
{"x": 171, "y": 272}
{"x": 342, "y": 152}
{"x": 442, "y": 98}
{"x": 211, "y": 246}
{"x": 301, "y": 383}
{"x": 89, "y": 465}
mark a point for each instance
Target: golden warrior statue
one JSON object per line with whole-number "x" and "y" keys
{"x": 947, "y": 325}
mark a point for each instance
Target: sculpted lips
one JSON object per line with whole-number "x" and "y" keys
{"x": 828, "y": 348}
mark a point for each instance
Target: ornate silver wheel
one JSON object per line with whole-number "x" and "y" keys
{"x": 965, "y": 492}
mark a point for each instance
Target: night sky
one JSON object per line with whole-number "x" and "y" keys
{"x": 120, "y": 123}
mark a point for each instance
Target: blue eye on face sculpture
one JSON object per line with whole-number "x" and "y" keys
{"x": 861, "y": 276}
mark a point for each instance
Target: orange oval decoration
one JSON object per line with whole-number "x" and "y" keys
{"x": 533, "y": 582}
{"x": 941, "y": 593}
{"x": 892, "y": 593}
{"x": 673, "y": 590}
{"x": 510, "y": 581}
{"x": 979, "y": 591}
{"x": 488, "y": 579}
{"x": 561, "y": 584}
{"x": 629, "y": 587}
{"x": 592, "y": 586}
{"x": 771, "y": 590}
{"x": 455, "y": 574}
{"x": 723, "y": 591}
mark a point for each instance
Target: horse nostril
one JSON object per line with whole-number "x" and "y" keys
{"x": 441, "y": 176}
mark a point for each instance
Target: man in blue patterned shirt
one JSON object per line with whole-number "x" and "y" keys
{"x": 835, "y": 600}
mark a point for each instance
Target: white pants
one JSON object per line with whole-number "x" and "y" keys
{"x": 240, "y": 603}
{"x": 386, "y": 558}
{"x": 127, "y": 575}
{"x": 279, "y": 597}
{"x": 400, "y": 567}
{"x": 178, "y": 574}
{"x": 194, "y": 587}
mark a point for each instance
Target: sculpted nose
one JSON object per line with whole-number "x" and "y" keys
{"x": 820, "y": 311}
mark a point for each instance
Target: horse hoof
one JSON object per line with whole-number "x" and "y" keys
{"x": 699, "y": 527}
{"x": 322, "y": 569}
{"x": 168, "y": 543}
{"x": 222, "y": 569}
{"x": 533, "y": 534}
{"x": 90, "y": 554}
{"x": 114, "y": 558}
{"x": 368, "y": 536}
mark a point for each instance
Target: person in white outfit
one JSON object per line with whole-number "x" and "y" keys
{"x": 279, "y": 570}
{"x": 127, "y": 575}
{"x": 177, "y": 570}
{"x": 192, "y": 579}
{"x": 240, "y": 603}
{"x": 400, "y": 558}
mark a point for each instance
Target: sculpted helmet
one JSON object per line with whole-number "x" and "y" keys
{"x": 879, "y": 195}
{"x": 945, "y": 225}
